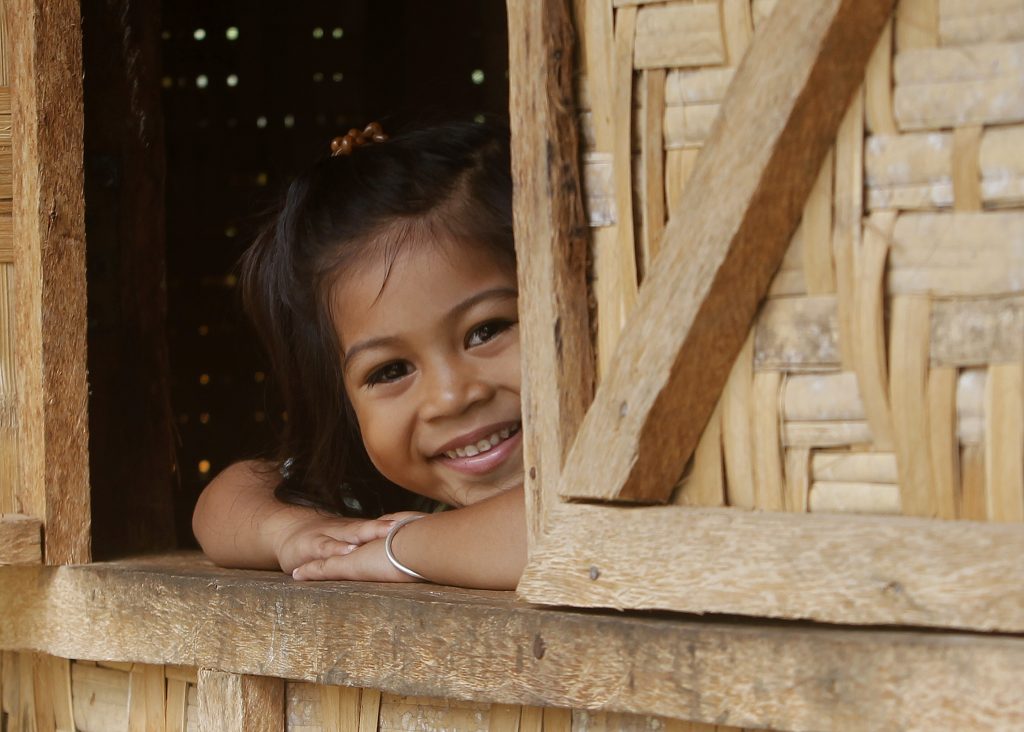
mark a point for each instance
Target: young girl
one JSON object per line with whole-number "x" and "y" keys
{"x": 385, "y": 294}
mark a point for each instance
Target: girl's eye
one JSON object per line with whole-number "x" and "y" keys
{"x": 485, "y": 332}
{"x": 388, "y": 373}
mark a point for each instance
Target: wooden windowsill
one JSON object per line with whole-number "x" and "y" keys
{"x": 492, "y": 646}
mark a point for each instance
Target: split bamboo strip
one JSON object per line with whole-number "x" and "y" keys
{"x": 942, "y": 440}
{"x": 340, "y": 706}
{"x": 1004, "y": 443}
{"x": 848, "y": 209}
{"x": 966, "y": 172}
{"x": 816, "y": 228}
{"x": 768, "y": 477}
{"x": 878, "y": 498}
{"x": 653, "y": 168}
{"x": 970, "y": 406}
{"x": 737, "y": 440}
{"x": 909, "y": 382}
{"x": 854, "y": 467}
{"x": 738, "y": 28}
{"x": 177, "y": 706}
{"x": 974, "y": 501}
{"x": 51, "y": 686}
{"x": 369, "y": 710}
{"x": 963, "y": 22}
{"x": 917, "y": 24}
{"x": 532, "y": 719}
{"x": 798, "y": 479}
{"x": 977, "y": 332}
{"x": 679, "y": 166}
{"x": 826, "y": 434}
{"x": 236, "y": 703}
{"x": 676, "y": 34}
{"x": 797, "y": 333}
{"x": 869, "y": 352}
{"x": 878, "y": 111}
{"x": 705, "y": 485}
{"x": 944, "y": 87}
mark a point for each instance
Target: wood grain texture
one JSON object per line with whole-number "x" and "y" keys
{"x": 843, "y": 569}
{"x": 966, "y": 22}
{"x": 676, "y": 34}
{"x": 696, "y": 307}
{"x": 49, "y": 244}
{"x": 413, "y": 639}
{"x": 551, "y": 245}
{"x": 238, "y": 703}
{"x": 21, "y": 539}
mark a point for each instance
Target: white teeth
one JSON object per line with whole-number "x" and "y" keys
{"x": 483, "y": 445}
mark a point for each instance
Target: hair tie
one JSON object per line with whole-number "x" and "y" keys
{"x": 354, "y": 138}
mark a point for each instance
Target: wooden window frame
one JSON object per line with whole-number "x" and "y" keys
{"x": 631, "y": 444}
{"x": 48, "y": 212}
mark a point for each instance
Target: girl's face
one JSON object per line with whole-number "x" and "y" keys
{"x": 431, "y": 366}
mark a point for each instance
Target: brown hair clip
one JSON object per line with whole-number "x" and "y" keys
{"x": 354, "y": 138}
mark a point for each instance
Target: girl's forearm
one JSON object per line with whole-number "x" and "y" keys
{"x": 237, "y": 517}
{"x": 482, "y": 545}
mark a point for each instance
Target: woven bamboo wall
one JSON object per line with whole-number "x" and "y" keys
{"x": 44, "y": 692}
{"x": 885, "y": 373}
{"x": 8, "y": 396}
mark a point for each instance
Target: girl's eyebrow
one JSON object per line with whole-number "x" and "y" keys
{"x": 495, "y": 293}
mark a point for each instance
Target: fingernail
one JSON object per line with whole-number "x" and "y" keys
{"x": 348, "y": 549}
{"x": 295, "y": 574}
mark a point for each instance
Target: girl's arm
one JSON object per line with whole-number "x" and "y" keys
{"x": 239, "y": 523}
{"x": 482, "y": 545}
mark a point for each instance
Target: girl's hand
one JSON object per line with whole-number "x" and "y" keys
{"x": 316, "y": 537}
{"x": 367, "y": 563}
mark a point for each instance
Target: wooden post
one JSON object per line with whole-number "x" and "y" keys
{"x": 551, "y": 244}
{"x": 49, "y": 254}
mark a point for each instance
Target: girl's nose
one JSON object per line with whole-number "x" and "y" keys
{"x": 452, "y": 387}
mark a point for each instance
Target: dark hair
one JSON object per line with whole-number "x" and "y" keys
{"x": 455, "y": 180}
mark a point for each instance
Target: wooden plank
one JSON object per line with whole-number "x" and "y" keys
{"x": 49, "y": 244}
{"x": 839, "y": 569}
{"x": 21, "y": 540}
{"x": 551, "y": 245}
{"x": 239, "y": 703}
{"x": 412, "y": 639}
{"x": 695, "y": 309}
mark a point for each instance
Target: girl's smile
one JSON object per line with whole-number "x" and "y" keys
{"x": 430, "y": 349}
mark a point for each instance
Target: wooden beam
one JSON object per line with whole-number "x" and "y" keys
{"x": 721, "y": 247}
{"x": 236, "y": 703}
{"x": 551, "y": 244}
{"x": 49, "y": 254}
{"x": 20, "y": 540}
{"x": 831, "y": 568}
{"x": 411, "y": 639}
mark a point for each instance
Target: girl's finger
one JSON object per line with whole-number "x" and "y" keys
{"x": 328, "y": 546}
{"x": 361, "y": 532}
{"x": 338, "y": 567}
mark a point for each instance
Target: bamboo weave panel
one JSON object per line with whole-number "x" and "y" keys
{"x": 90, "y": 696}
{"x": 885, "y": 373}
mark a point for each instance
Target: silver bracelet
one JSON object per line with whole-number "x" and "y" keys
{"x": 391, "y": 555}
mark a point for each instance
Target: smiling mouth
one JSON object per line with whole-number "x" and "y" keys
{"x": 484, "y": 445}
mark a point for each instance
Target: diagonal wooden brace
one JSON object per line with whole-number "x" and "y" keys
{"x": 721, "y": 247}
